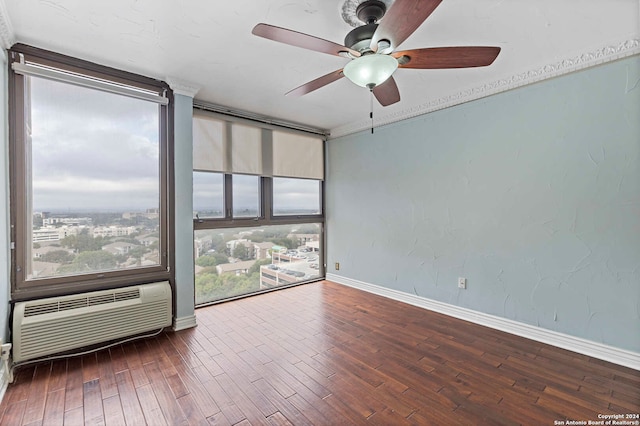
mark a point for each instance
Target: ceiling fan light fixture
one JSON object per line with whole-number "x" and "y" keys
{"x": 370, "y": 70}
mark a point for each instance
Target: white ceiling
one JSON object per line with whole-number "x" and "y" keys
{"x": 208, "y": 45}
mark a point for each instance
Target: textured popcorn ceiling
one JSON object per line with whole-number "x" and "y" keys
{"x": 208, "y": 44}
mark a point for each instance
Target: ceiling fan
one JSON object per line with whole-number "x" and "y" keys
{"x": 372, "y": 48}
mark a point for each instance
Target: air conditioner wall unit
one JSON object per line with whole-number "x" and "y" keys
{"x": 58, "y": 324}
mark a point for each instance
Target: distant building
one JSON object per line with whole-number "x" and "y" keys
{"x": 39, "y": 252}
{"x": 148, "y": 214}
{"x": 279, "y": 257}
{"x": 70, "y": 221}
{"x": 45, "y": 234}
{"x": 261, "y": 250}
{"x": 201, "y": 246}
{"x": 302, "y": 239}
{"x": 52, "y": 233}
{"x": 313, "y": 245}
{"x": 287, "y": 273}
{"x": 147, "y": 241}
{"x": 114, "y": 231}
{"x": 231, "y": 245}
{"x": 237, "y": 268}
{"x": 118, "y": 248}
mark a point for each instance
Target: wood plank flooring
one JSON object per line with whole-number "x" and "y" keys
{"x": 322, "y": 354}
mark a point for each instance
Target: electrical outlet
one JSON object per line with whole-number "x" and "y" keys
{"x": 337, "y": 266}
{"x": 462, "y": 283}
{"x": 5, "y": 349}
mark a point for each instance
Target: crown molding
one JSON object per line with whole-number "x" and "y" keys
{"x": 7, "y": 36}
{"x": 181, "y": 87}
{"x": 589, "y": 59}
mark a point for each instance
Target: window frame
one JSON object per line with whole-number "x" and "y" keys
{"x": 266, "y": 216}
{"x": 23, "y": 288}
{"x": 320, "y": 198}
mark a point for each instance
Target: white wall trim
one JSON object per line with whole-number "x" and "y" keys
{"x": 4, "y": 379}
{"x": 181, "y": 87}
{"x": 7, "y": 36}
{"x": 564, "y": 341}
{"x": 184, "y": 322}
{"x": 592, "y": 58}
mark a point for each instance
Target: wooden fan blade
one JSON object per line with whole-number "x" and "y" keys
{"x": 305, "y": 41}
{"x": 447, "y": 57}
{"x": 316, "y": 84}
{"x": 387, "y": 93}
{"x": 401, "y": 20}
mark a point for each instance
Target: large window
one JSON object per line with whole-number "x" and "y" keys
{"x": 208, "y": 195}
{"x": 246, "y": 196}
{"x": 296, "y": 196}
{"x": 237, "y": 261}
{"x": 267, "y": 229}
{"x": 89, "y": 175}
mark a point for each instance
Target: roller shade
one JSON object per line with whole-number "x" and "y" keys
{"x": 297, "y": 156}
{"x": 209, "y": 144}
{"x": 246, "y": 149}
{"x": 233, "y": 147}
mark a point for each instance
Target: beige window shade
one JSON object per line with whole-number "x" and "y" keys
{"x": 209, "y": 144}
{"x": 246, "y": 149}
{"x": 232, "y": 147}
{"x": 297, "y": 156}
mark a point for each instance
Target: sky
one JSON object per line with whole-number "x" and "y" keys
{"x": 99, "y": 152}
{"x": 92, "y": 150}
{"x": 289, "y": 194}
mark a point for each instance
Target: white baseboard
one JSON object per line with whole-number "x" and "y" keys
{"x": 184, "y": 322}
{"x": 4, "y": 379}
{"x": 564, "y": 341}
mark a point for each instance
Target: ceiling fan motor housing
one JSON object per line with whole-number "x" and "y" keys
{"x": 371, "y": 11}
{"x": 359, "y": 38}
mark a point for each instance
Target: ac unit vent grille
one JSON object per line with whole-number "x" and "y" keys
{"x": 100, "y": 300}
{"x": 80, "y": 302}
{"x": 45, "y": 308}
{"x": 67, "y": 305}
{"x": 127, "y": 295}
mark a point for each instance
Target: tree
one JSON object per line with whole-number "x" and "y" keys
{"x": 257, "y": 237}
{"x": 57, "y": 256}
{"x": 310, "y": 228}
{"x": 210, "y": 286}
{"x": 37, "y": 222}
{"x": 255, "y": 269}
{"x": 209, "y": 260}
{"x": 220, "y": 258}
{"x": 98, "y": 260}
{"x": 206, "y": 260}
{"x": 137, "y": 252}
{"x": 285, "y": 242}
{"x": 240, "y": 252}
{"x": 128, "y": 239}
{"x": 84, "y": 242}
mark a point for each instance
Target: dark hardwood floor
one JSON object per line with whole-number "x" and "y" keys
{"x": 323, "y": 354}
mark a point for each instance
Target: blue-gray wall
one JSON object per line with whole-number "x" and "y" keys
{"x": 533, "y": 195}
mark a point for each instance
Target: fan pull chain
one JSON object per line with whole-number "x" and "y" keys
{"x": 371, "y": 109}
